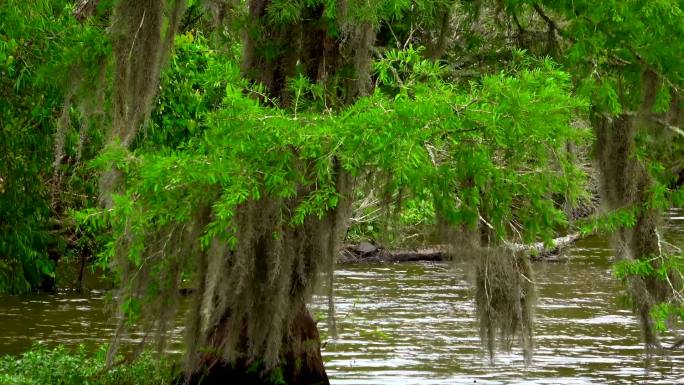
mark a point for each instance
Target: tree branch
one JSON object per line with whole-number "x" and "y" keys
{"x": 85, "y": 8}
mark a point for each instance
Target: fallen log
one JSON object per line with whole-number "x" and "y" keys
{"x": 365, "y": 252}
{"x": 541, "y": 252}
{"x": 349, "y": 256}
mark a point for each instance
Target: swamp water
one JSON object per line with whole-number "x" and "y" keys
{"x": 414, "y": 323}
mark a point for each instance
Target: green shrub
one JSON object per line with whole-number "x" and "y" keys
{"x": 63, "y": 366}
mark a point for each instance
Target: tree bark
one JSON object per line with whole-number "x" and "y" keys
{"x": 273, "y": 52}
{"x": 437, "y": 48}
{"x": 270, "y": 51}
{"x": 302, "y": 362}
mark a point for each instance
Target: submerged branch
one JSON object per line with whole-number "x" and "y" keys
{"x": 365, "y": 252}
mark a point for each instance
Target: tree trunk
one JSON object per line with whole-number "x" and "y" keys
{"x": 438, "y": 47}
{"x": 360, "y": 45}
{"x": 273, "y": 52}
{"x": 250, "y": 323}
{"x": 269, "y": 55}
{"x": 302, "y": 362}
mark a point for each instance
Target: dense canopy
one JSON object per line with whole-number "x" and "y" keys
{"x": 228, "y": 149}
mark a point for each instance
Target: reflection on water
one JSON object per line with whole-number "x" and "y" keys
{"x": 414, "y": 324}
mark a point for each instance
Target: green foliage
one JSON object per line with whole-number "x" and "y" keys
{"x": 626, "y": 57}
{"x": 661, "y": 267}
{"x": 666, "y": 268}
{"x": 405, "y": 68}
{"x": 28, "y": 101}
{"x": 492, "y": 147}
{"x": 495, "y": 149}
{"x": 610, "y": 222}
{"x": 473, "y": 136}
{"x": 61, "y": 366}
{"x": 665, "y": 313}
{"x": 191, "y": 87}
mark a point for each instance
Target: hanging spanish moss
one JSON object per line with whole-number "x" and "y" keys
{"x": 141, "y": 44}
{"x": 59, "y": 146}
{"x": 250, "y": 294}
{"x": 156, "y": 283}
{"x": 142, "y": 36}
{"x": 338, "y": 223}
{"x": 90, "y": 104}
{"x": 251, "y": 303}
{"x": 626, "y": 183}
{"x": 505, "y": 297}
{"x": 505, "y": 292}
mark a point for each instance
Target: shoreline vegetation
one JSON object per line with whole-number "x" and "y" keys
{"x": 60, "y": 365}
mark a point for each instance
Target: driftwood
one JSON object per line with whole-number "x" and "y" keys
{"x": 366, "y": 252}
{"x": 540, "y": 252}
{"x": 352, "y": 255}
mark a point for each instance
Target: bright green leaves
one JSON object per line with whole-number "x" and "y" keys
{"x": 640, "y": 267}
{"x": 42, "y": 365}
{"x": 660, "y": 267}
{"x": 677, "y": 197}
{"x": 191, "y": 87}
{"x": 610, "y": 222}
{"x": 131, "y": 309}
{"x": 604, "y": 95}
{"x": 511, "y": 147}
{"x": 316, "y": 204}
{"x": 494, "y": 151}
{"x": 404, "y": 69}
{"x": 284, "y": 11}
{"x": 663, "y": 100}
{"x": 32, "y": 61}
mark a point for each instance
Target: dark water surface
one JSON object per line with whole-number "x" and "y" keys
{"x": 414, "y": 323}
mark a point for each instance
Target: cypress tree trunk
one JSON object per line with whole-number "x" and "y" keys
{"x": 273, "y": 52}
{"x": 235, "y": 340}
{"x": 302, "y": 361}
{"x": 270, "y": 51}
{"x": 437, "y": 47}
{"x": 362, "y": 39}
{"x": 250, "y": 323}
{"x": 320, "y": 52}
